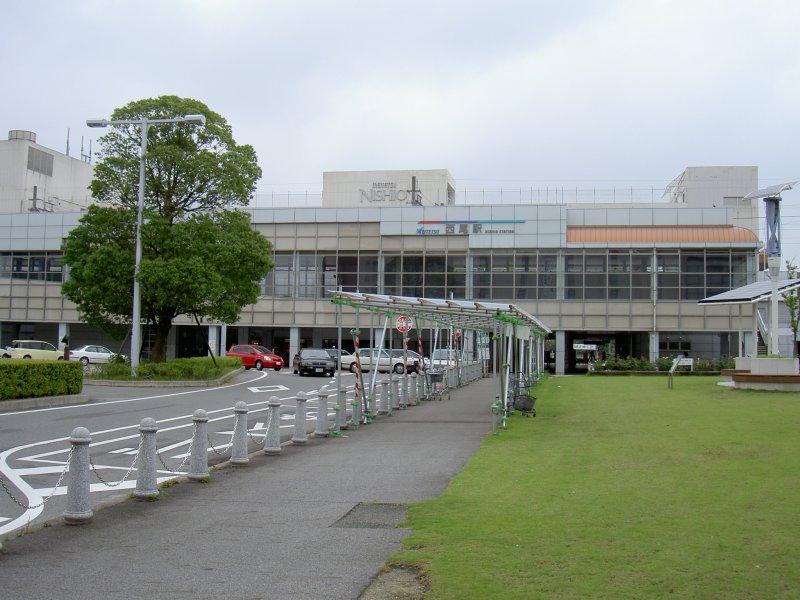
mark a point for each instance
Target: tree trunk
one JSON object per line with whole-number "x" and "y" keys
{"x": 159, "y": 352}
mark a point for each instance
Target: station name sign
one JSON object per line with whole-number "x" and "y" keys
{"x": 388, "y": 191}
{"x": 467, "y": 227}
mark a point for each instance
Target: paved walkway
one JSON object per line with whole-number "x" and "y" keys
{"x": 262, "y": 531}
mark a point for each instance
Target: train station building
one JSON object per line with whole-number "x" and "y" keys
{"x": 607, "y": 273}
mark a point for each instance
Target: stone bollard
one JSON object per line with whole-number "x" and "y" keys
{"x": 272, "y": 441}
{"x": 146, "y": 486}
{"x": 337, "y": 431}
{"x": 341, "y": 400}
{"x": 239, "y": 443}
{"x": 414, "y": 389}
{"x": 395, "y": 401}
{"x": 321, "y": 428}
{"x": 198, "y": 461}
{"x": 78, "y": 509}
{"x": 422, "y": 394}
{"x": 404, "y": 391}
{"x": 355, "y": 421}
{"x": 300, "y": 436}
{"x": 383, "y": 406}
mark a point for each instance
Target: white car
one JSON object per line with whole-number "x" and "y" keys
{"x": 443, "y": 358}
{"x": 386, "y": 361}
{"x": 34, "y": 349}
{"x": 92, "y": 354}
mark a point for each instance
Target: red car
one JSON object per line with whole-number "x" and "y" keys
{"x": 256, "y": 357}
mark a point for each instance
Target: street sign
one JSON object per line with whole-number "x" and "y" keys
{"x": 404, "y": 324}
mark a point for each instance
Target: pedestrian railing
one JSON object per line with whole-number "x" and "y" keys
{"x": 392, "y": 394}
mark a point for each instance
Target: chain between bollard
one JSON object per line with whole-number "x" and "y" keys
{"x": 250, "y": 435}
{"x": 177, "y": 469}
{"x": 127, "y": 473}
{"x": 45, "y": 499}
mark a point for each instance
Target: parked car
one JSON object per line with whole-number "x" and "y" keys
{"x": 93, "y": 354}
{"x": 35, "y": 349}
{"x": 315, "y": 361}
{"x": 443, "y": 358}
{"x": 413, "y": 359}
{"x": 256, "y": 357}
{"x": 346, "y": 358}
{"x": 386, "y": 361}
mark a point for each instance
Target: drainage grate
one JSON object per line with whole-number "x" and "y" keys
{"x": 373, "y": 515}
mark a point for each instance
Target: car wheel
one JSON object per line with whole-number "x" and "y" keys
{"x": 247, "y": 368}
{"x": 259, "y": 365}
{"x": 26, "y": 356}
{"x": 85, "y": 361}
{"x": 398, "y": 368}
{"x": 277, "y": 369}
{"x": 295, "y": 372}
{"x": 60, "y": 358}
{"x": 353, "y": 367}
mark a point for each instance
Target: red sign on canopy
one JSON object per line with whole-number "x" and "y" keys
{"x": 404, "y": 324}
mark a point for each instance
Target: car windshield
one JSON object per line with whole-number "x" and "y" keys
{"x": 263, "y": 350}
{"x": 311, "y": 353}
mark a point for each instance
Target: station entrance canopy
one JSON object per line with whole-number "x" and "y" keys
{"x": 751, "y": 293}
{"x": 459, "y": 314}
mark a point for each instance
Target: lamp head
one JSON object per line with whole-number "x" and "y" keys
{"x": 97, "y": 122}
{"x": 199, "y": 119}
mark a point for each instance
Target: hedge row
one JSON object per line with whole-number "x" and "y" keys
{"x": 615, "y": 363}
{"x": 25, "y": 378}
{"x": 200, "y": 368}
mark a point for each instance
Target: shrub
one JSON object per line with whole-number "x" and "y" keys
{"x": 664, "y": 363}
{"x": 179, "y": 369}
{"x": 33, "y": 378}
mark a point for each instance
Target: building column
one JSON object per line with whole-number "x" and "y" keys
{"x": 223, "y": 339}
{"x": 294, "y": 342}
{"x": 561, "y": 352}
{"x": 754, "y": 341}
{"x": 63, "y": 331}
{"x": 213, "y": 339}
{"x": 654, "y": 342}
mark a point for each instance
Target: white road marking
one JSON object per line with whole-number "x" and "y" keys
{"x": 93, "y": 404}
{"x": 4, "y": 519}
{"x": 121, "y": 450}
{"x": 268, "y": 388}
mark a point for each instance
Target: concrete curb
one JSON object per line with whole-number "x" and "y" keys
{"x": 43, "y": 402}
{"x": 153, "y": 383}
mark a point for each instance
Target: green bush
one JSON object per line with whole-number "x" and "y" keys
{"x": 179, "y": 369}
{"x": 21, "y": 378}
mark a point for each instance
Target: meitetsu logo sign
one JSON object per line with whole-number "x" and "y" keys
{"x": 497, "y": 226}
{"x": 390, "y": 191}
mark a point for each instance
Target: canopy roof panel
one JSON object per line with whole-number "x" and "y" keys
{"x": 753, "y": 292}
{"x": 461, "y": 314}
{"x": 654, "y": 234}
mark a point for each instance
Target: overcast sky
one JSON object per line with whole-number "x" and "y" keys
{"x": 502, "y": 93}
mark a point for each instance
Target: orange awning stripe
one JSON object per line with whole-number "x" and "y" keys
{"x": 653, "y": 234}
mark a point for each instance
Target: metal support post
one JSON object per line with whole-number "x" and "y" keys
{"x": 146, "y": 486}
{"x": 300, "y": 436}
{"x": 355, "y": 420}
{"x": 404, "y": 390}
{"x": 78, "y": 510}
{"x": 272, "y": 441}
{"x": 198, "y": 460}
{"x": 239, "y": 442}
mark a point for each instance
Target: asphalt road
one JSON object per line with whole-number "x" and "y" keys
{"x": 34, "y": 443}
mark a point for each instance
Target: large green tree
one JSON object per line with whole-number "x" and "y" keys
{"x": 200, "y": 256}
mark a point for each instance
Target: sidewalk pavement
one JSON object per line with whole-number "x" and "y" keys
{"x": 262, "y": 531}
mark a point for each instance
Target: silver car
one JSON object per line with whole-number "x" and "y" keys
{"x": 92, "y": 354}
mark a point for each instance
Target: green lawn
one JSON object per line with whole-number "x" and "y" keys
{"x": 621, "y": 488}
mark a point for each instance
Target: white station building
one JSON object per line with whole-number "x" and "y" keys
{"x": 606, "y": 271}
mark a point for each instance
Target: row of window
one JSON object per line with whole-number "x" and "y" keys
{"x": 33, "y": 266}
{"x": 587, "y": 275}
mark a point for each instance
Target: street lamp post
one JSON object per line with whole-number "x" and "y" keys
{"x": 144, "y": 124}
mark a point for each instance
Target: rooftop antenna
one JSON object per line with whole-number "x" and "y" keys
{"x": 67, "y": 141}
